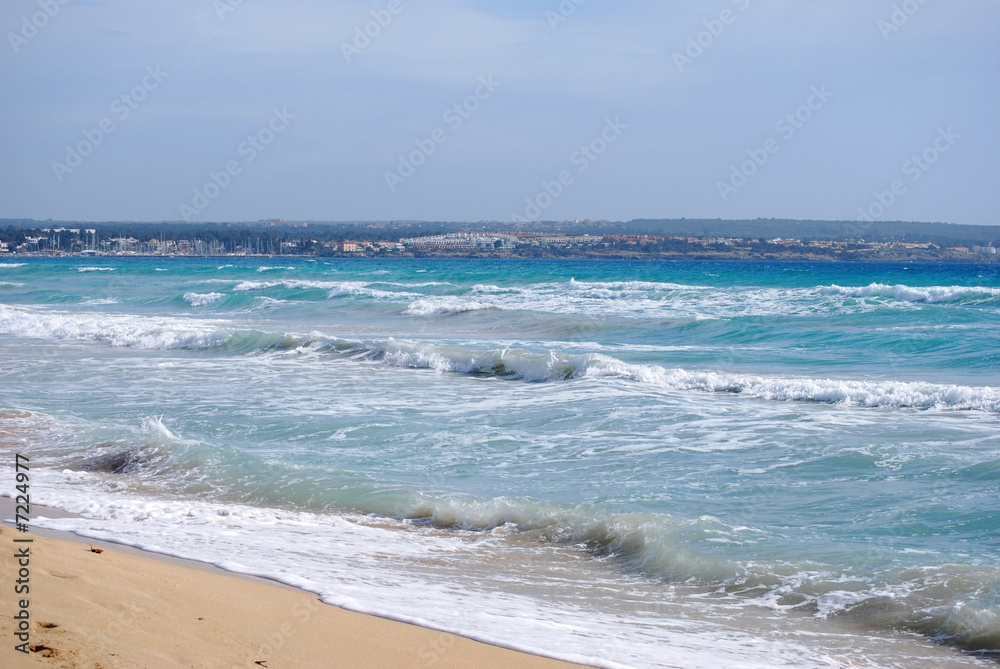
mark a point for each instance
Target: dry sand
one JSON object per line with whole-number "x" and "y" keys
{"x": 126, "y": 608}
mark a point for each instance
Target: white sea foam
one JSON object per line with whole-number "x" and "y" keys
{"x": 295, "y": 284}
{"x": 127, "y": 331}
{"x": 333, "y": 288}
{"x": 928, "y": 294}
{"x": 490, "y": 289}
{"x": 11, "y": 284}
{"x": 410, "y": 284}
{"x": 247, "y": 286}
{"x": 270, "y": 269}
{"x": 444, "y": 305}
{"x": 442, "y": 581}
{"x": 662, "y": 299}
{"x": 202, "y": 299}
{"x": 11, "y": 265}
{"x": 884, "y": 394}
{"x": 641, "y": 299}
{"x": 95, "y": 269}
{"x": 530, "y": 366}
{"x": 100, "y": 301}
{"x": 263, "y": 302}
{"x": 357, "y": 288}
{"x": 155, "y": 425}
{"x": 630, "y": 286}
{"x": 164, "y": 333}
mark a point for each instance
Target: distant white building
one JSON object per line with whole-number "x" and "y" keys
{"x": 565, "y": 240}
{"x": 463, "y": 241}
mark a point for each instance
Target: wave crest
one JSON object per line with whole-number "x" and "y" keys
{"x": 927, "y": 294}
{"x": 445, "y": 306}
{"x": 178, "y": 333}
{"x": 202, "y": 299}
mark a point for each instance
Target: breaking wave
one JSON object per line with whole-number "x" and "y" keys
{"x": 928, "y": 294}
{"x": 954, "y": 604}
{"x": 445, "y": 306}
{"x": 629, "y": 299}
{"x": 332, "y": 288}
{"x": 202, "y": 299}
{"x": 179, "y": 333}
{"x": 540, "y": 367}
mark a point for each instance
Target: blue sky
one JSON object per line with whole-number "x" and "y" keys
{"x": 600, "y": 110}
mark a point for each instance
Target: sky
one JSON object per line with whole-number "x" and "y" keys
{"x": 499, "y": 110}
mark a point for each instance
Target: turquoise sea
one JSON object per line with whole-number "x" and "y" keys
{"x": 624, "y": 463}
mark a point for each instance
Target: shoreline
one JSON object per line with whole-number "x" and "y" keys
{"x": 125, "y": 607}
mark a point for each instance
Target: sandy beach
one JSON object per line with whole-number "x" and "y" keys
{"x": 127, "y": 608}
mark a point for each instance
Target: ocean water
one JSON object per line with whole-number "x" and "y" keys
{"x": 628, "y": 464}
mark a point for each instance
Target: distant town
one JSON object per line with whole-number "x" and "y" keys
{"x": 800, "y": 240}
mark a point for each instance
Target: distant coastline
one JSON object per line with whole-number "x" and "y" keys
{"x": 777, "y": 256}
{"x": 819, "y": 241}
